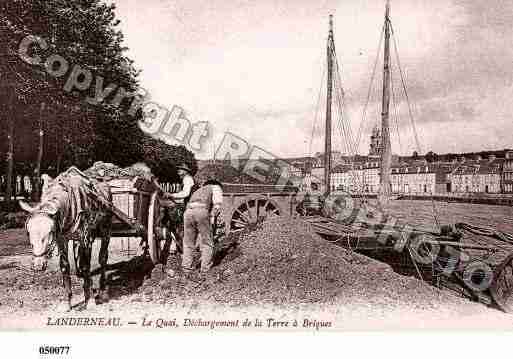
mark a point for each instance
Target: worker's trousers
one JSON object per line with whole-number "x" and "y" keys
{"x": 197, "y": 221}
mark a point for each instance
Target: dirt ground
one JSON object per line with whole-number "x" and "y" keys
{"x": 282, "y": 271}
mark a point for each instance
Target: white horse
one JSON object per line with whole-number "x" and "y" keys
{"x": 65, "y": 208}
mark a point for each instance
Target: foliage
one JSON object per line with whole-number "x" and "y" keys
{"x": 163, "y": 159}
{"x": 86, "y": 34}
{"x": 431, "y": 157}
{"x": 224, "y": 172}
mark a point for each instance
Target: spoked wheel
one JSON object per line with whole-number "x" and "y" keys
{"x": 502, "y": 285}
{"x": 251, "y": 212}
{"x": 156, "y": 231}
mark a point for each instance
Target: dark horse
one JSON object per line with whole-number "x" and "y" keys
{"x": 66, "y": 207}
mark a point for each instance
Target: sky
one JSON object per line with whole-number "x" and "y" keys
{"x": 255, "y": 68}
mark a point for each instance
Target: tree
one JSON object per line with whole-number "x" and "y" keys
{"x": 431, "y": 157}
{"x": 84, "y": 32}
{"x": 163, "y": 159}
{"x": 10, "y": 159}
{"x": 78, "y": 129}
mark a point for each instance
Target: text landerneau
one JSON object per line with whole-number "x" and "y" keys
{"x": 84, "y": 321}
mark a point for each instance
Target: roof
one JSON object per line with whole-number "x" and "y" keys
{"x": 422, "y": 167}
{"x": 481, "y": 167}
{"x": 342, "y": 168}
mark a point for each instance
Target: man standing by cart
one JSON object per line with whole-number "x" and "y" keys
{"x": 184, "y": 172}
{"x": 181, "y": 198}
{"x": 204, "y": 205}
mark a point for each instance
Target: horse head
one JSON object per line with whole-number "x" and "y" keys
{"x": 41, "y": 227}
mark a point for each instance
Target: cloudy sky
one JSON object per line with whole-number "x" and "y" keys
{"x": 255, "y": 68}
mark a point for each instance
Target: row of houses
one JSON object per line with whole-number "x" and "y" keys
{"x": 418, "y": 177}
{"x": 455, "y": 174}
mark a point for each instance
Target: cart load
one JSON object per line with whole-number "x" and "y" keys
{"x": 107, "y": 171}
{"x": 136, "y": 204}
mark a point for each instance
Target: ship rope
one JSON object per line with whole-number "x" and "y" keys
{"x": 317, "y": 110}
{"x": 369, "y": 92}
{"x": 395, "y": 109}
{"x": 351, "y": 146}
{"x": 411, "y": 117}
{"x": 351, "y": 142}
{"x": 506, "y": 238}
{"x": 348, "y": 138}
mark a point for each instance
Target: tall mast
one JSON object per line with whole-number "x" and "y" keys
{"x": 327, "y": 142}
{"x": 386, "y": 154}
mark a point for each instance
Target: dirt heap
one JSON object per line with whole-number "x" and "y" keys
{"x": 285, "y": 264}
{"x": 106, "y": 171}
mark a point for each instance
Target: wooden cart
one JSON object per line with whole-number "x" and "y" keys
{"x": 136, "y": 212}
{"x": 246, "y": 205}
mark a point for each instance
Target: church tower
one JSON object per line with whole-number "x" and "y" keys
{"x": 376, "y": 146}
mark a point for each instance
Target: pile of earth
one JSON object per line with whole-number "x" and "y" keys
{"x": 284, "y": 264}
{"x": 107, "y": 171}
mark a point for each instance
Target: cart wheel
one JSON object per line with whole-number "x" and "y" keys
{"x": 502, "y": 285}
{"x": 251, "y": 212}
{"x": 153, "y": 228}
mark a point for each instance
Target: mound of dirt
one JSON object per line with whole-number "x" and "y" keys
{"x": 285, "y": 264}
{"x": 106, "y": 171}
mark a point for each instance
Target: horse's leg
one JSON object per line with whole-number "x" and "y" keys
{"x": 62, "y": 245}
{"x": 85, "y": 267}
{"x": 103, "y": 259}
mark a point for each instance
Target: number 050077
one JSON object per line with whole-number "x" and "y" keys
{"x": 54, "y": 350}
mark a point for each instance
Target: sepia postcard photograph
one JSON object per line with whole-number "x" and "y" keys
{"x": 270, "y": 166}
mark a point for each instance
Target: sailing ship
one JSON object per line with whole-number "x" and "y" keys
{"x": 453, "y": 250}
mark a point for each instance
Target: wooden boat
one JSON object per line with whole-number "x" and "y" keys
{"x": 370, "y": 232}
